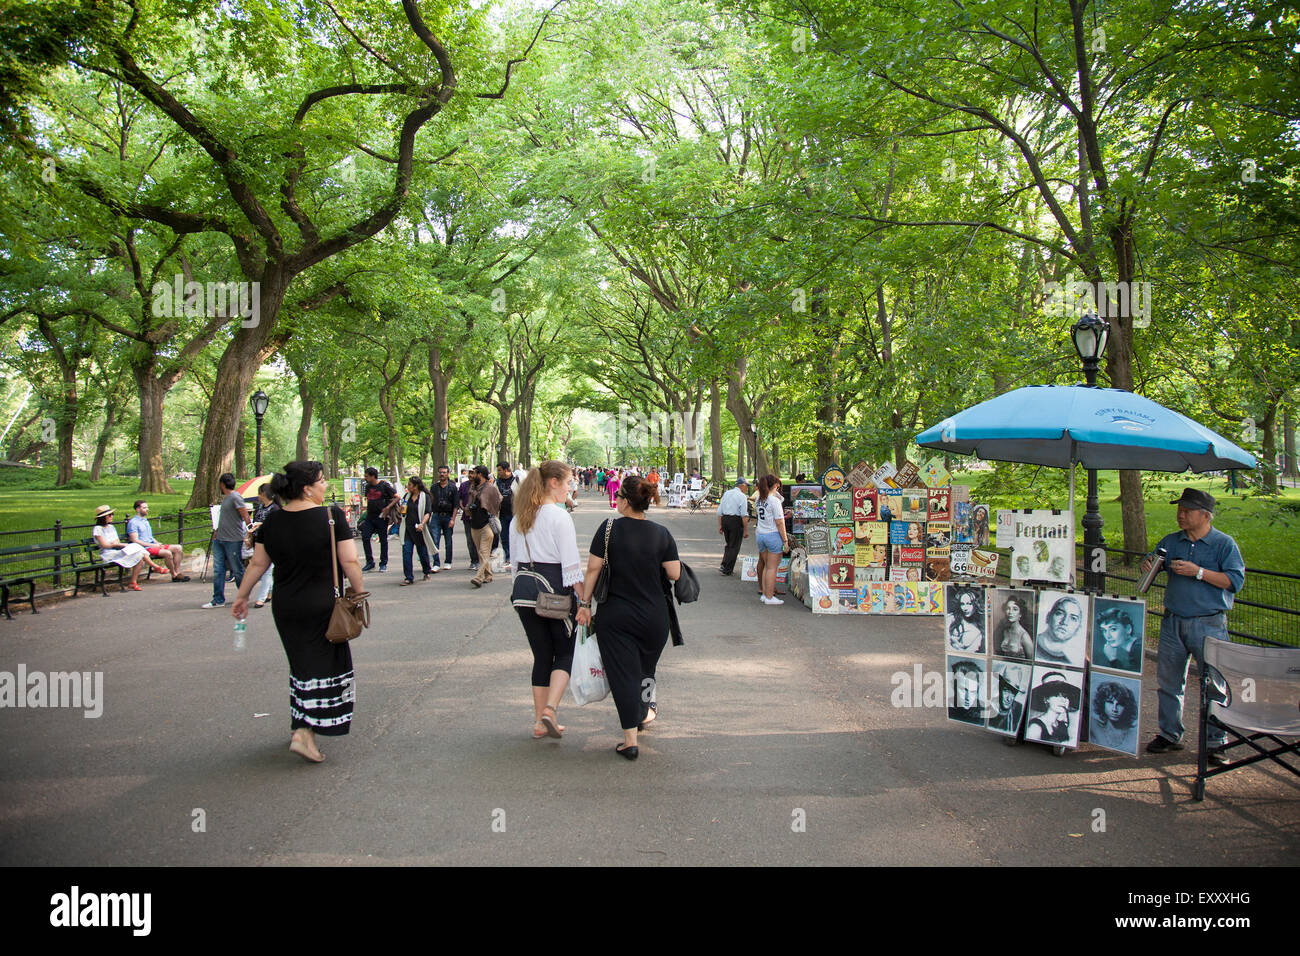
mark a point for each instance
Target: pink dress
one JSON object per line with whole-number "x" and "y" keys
{"x": 612, "y": 487}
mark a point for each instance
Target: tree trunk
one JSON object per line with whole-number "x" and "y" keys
{"x": 239, "y": 363}
{"x": 424, "y": 460}
{"x": 1119, "y": 365}
{"x": 1289, "y": 467}
{"x": 241, "y": 452}
{"x": 718, "y": 472}
{"x": 66, "y": 425}
{"x": 440, "y": 380}
{"x": 302, "y": 451}
{"x": 503, "y": 439}
{"x": 105, "y": 435}
{"x": 1268, "y": 447}
{"x": 744, "y": 416}
{"x": 151, "y": 392}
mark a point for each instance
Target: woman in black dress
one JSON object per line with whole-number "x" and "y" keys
{"x": 300, "y": 541}
{"x": 632, "y": 624}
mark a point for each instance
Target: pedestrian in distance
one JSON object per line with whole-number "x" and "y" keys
{"x": 733, "y": 523}
{"x": 632, "y": 625}
{"x": 484, "y": 508}
{"x": 266, "y": 503}
{"x": 506, "y": 485}
{"x": 612, "y": 484}
{"x": 301, "y": 541}
{"x": 545, "y": 558}
{"x": 379, "y": 494}
{"x": 414, "y": 531}
{"x": 445, "y": 496}
{"x": 228, "y": 540}
{"x": 773, "y": 541}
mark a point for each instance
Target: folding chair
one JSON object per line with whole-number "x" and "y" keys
{"x": 1252, "y": 693}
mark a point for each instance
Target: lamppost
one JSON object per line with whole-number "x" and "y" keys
{"x": 442, "y": 436}
{"x": 753, "y": 465}
{"x": 259, "y": 401}
{"x": 1090, "y": 335}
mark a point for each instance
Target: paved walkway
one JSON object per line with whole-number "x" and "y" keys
{"x": 769, "y": 716}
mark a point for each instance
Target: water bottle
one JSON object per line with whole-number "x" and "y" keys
{"x": 241, "y": 633}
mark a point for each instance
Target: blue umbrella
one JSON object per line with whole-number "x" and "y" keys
{"x": 1106, "y": 429}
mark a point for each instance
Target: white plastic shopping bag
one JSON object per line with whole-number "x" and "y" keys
{"x": 499, "y": 563}
{"x": 587, "y": 680}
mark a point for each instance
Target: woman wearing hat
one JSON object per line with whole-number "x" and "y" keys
{"x": 112, "y": 548}
{"x": 1054, "y": 700}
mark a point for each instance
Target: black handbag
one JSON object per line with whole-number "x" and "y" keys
{"x": 601, "y": 591}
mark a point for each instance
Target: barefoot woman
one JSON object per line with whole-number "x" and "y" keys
{"x": 300, "y": 541}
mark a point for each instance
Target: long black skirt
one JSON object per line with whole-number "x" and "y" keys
{"x": 322, "y": 689}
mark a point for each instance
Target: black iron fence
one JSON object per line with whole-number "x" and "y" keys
{"x": 1266, "y": 609}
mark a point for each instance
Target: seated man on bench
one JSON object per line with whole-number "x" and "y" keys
{"x": 112, "y": 549}
{"x": 139, "y": 531}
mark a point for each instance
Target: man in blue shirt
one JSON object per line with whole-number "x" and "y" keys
{"x": 1204, "y": 570}
{"x": 139, "y": 531}
{"x": 733, "y": 523}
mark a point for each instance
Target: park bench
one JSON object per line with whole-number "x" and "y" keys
{"x": 24, "y": 565}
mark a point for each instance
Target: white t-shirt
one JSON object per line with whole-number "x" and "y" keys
{"x": 770, "y": 511}
{"x": 551, "y": 540}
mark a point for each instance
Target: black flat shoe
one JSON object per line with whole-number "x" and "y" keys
{"x": 629, "y": 752}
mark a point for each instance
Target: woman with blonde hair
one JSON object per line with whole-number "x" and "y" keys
{"x": 544, "y": 559}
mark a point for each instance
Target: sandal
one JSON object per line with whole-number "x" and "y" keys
{"x": 549, "y": 722}
{"x": 259, "y": 604}
{"x": 134, "y": 587}
{"x": 650, "y": 718}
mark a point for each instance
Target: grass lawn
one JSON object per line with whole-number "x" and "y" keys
{"x": 38, "y": 505}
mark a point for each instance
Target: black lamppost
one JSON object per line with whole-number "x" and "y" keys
{"x": 443, "y": 436}
{"x": 259, "y": 401}
{"x": 1090, "y": 335}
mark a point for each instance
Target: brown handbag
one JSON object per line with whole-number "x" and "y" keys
{"x": 351, "y": 612}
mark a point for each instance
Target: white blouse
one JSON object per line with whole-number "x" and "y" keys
{"x": 551, "y": 540}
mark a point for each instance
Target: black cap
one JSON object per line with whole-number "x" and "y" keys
{"x": 1195, "y": 498}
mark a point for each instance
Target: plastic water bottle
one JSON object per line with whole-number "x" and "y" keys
{"x": 241, "y": 634}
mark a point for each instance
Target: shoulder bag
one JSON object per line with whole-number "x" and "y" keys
{"x": 547, "y": 603}
{"x": 351, "y": 608}
{"x": 601, "y": 591}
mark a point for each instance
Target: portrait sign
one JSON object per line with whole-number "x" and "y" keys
{"x": 839, "y": 507}
{"x": 1041, "y": 543}
{"x": 864, "y": 504}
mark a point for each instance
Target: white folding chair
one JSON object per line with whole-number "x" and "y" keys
{"x": 1253, "y": 694}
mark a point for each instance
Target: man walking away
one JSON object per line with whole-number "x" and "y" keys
{"x": 446, "y": 505}
{"x": 1204, "y": 569}
{"x": 484, "y": 507}
{"x": 228, "y": 541}
{"x": 466, "y": 488}
{"x": 379, "y": 494}
{"x": 733, "y": 522}
{"x": 506, "y": 485}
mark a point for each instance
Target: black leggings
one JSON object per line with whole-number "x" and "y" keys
{"x": 552, "y": 645}
{"x": 630, "y": 661}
